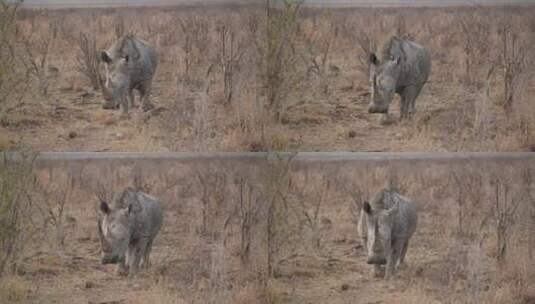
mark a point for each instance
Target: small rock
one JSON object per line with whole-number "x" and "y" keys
{"x": 344, "y": 287}
{"x": 72, "y": 134}
{"x": 351, "y": 134}
{"x": 89, "y": 284}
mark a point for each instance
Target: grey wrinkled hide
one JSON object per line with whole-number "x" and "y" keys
{"x": 404, "y": 69}
{"x": 386, "y": 225}
{"x": 130, "y": 65}
{"x": 128, "y": 228}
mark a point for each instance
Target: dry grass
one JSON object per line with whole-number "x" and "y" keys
{"x": 15, "y": 289}
{"x": 236, "y": 223}
{"x": 216, "y": 92}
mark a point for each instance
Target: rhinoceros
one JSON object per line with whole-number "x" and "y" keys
{"x": 385, "y": 225}
{"x": 130, "y": 65}
{"x": 128, "y": 229}
{"x": 405, "y": 68}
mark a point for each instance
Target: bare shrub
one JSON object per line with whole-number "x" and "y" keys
{"x": 87, "y": 59}
{"x": 54, "y": 199}
{"x": 505, "y": 204}
{"x": 194, "y": 43}
{"x": 140, "y": 181}
{"x": 16, "y": 207}
{"x": 281, "y": 230}
{"x": 513, "y": 60}
{"x": 248, "y": 213}
{"x": 230, "y": 54}
{"x": 473, "y": 34}
{"x": 367, "y": 46}
{"x": 280, "y": 59}
{"x": 213, "y": 200}
{"x": 307, "y": 206}
{"x": 468, "y": 186}
{"x": 317, "y": 52}
{"x": 34, "y": 56}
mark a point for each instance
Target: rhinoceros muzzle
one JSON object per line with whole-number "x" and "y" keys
{"x": 376, "y": 260}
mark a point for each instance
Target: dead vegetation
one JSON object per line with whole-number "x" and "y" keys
{"x": 279, "y": 77}
{"x": 276, "y": 230}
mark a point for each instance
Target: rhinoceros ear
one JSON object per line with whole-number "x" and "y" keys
{"x": 105, "y": 57}
{"x": 367, "y": 208}
{"x": 373, "y": 59}
{"x": 104, "y": 207}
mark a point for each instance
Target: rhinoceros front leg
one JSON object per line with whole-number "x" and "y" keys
{"x": 144, "y": 91}
{"x": 392, "y": 253}
{"x": 408, "y": 98}
{"x": 389, "y": 267}
{"x": 402, "y": 254}
{"x": 395, "y": 252}
{"x": 131, "y": 99}
{"x": 138, "y": 253}
{"x": 124, "y": 105}
{"x": 403, "y": 107}
{"x": 132, "y": 259}
{"x": 145, "y": 262}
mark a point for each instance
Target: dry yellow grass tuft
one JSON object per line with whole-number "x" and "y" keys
{"x": 14, "y": 288}
{"x": 220, "y": 88}
{"x": 159, "y": 293}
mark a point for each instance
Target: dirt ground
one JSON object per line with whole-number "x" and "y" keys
{"x": 196, "y": 258}
{"x": 74, "y": 121}
{"x": 335, "y": 274}
{"x": 453, "y": 114}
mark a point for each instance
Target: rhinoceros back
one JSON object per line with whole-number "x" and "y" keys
{"x": 406, "y": 219}
{"x": 142, "y": 56}
{"x": 415, "y": 60}
{"x": 151, "y": 215}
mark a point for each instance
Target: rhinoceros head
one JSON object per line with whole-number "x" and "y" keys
{"x": 115, "y": 88}
{"x": 383, "y": 78}
{"x": 379, "y": 222}
{"x": 115, "y": 232}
